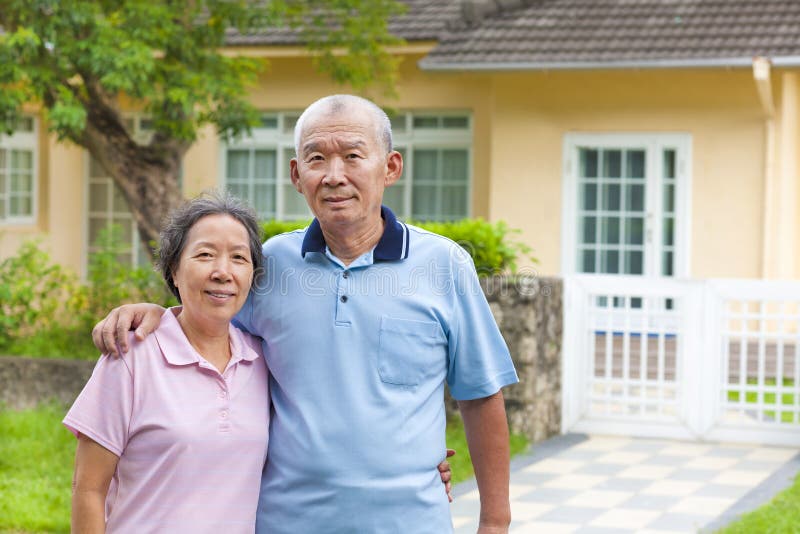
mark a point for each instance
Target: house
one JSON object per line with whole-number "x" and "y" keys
{"x": 622, "y": 136}
{"x": 646, "y": 139}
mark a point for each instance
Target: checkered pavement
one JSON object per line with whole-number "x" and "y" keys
{"x": 624, "y": 485}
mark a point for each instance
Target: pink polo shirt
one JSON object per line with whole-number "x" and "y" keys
{"x": 192, "y": 443}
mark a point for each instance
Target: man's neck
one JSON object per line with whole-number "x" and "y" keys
{"x": 348, "y": 244}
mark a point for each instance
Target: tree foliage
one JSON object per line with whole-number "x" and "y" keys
{"x": 80, "y": 61}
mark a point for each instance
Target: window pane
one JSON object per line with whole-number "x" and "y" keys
{"x": 666, "y": 263}
{"x": 589, "y": 230}
{"x": 269, "y": 122}
{"x": 2, "y": 209}
{"x": 238, "y": 190}
{"x": 454, "y": 202}
{"x": 289, "y": 121}
{"x": 120, "y": 205}
{"x": 265, "y": 165}
{"x": 24, "y": 125}
{"x": 424, "y": 202}
{"x": 609, "y": 261}
{"x": 589, "y": 202}
{"x": 263, "y": 200}
{"x": 425, "y": 162}
{"x": 587, "y": 260}
{"x": 635, "y": 164}
{"x": 237, "y": 164}
{"x": 669, "y": 163}
{"x": 394, "y": 198}
{"x": 126, "y": 226}
{"x": 612, "y": 163}
{"x": 426, "y": 122}
{"x": 634, "y": 231}
{"x": 609, "y": 233}
{"x": 3, "y": 159}
{"x": 634, "y": 197}
{"x": 95, "y": 169}
{"x": 455, "y": 122}
{"x": 98, "y": 196}
{"x": 454, "y": 166}
{"x": 294, "y": 204}
{"x": 611, "y": 197}
{"x": 634, "y": 262}
{"x": 669, "y": 198}
{"x": 669, "y": 231}
{"x": 22, "y": 160}
{"x": 398, "y": 123}
{"x": 588, "y": 163}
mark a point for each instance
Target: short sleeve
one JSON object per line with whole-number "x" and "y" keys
{"x": 479, "y": 361}
{"x": 103, "y": 409}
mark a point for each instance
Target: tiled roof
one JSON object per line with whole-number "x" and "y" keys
{"x": 424, "y": 20}
{"x": 531, "y": 34}
{"x": 549, "y": 34}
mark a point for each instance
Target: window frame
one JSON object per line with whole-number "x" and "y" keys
{"x": 22, "y": 141}
{"x": 654, "y": 144}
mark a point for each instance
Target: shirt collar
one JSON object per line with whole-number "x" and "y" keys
{"x": 178, "y": 351}
{"x": 392, "y": 246}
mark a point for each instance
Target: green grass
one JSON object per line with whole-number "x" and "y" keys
{"x": 461, "y": 463}
{"x": 779, "y": 516}
{"x": 37, "y": 455}
{"x": 751, "y": 397}
{"x": 36, "y": 461}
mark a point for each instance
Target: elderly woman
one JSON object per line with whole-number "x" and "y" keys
{"x": 173, "y": 436}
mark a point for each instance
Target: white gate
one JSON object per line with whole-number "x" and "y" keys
{"x": 688, "y": 359}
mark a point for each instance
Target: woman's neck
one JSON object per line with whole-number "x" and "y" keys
{"x": 214, "y": 347}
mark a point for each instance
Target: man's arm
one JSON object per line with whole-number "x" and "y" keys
{"x": 112, "y": 332}
{"x": 487, "y": 437}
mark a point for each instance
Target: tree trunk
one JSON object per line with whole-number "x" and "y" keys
{"x": 147, "y": 176}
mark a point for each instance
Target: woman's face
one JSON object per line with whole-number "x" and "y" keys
{"x": 215, "y": 270}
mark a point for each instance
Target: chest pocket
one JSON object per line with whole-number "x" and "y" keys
{"x": 409, "y": 351}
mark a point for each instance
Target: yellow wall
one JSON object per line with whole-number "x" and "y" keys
{"x": 719, "y": 109}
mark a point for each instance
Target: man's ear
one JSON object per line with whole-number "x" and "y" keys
{"x": 394, "y": 168}
{"x": 294, "y": 174}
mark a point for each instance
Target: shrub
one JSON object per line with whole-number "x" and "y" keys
{"x": 48, "y": 312}
{"x": 494, "y": 247}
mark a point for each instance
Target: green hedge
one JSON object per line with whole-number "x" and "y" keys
{"x": 495, "y": 248}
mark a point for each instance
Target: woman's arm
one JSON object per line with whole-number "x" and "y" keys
{"x": 94, "y": 468}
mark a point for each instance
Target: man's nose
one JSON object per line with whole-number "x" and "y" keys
{"x": 335, "y": 174}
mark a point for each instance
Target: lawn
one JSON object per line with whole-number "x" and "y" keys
{"x": 36, "y": 459}
{"x": 779, "y": 516}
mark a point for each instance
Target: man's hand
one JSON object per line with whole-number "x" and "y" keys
{"x": 111, "y": 333}
{"x": 444, "y": 473}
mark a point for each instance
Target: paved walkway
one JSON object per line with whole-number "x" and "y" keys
{"x": 599, "y": 484}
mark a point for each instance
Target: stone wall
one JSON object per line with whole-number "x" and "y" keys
{"x": 528, "y": 310}
{"x": 25, "y": 382}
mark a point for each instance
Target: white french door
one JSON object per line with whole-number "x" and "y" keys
{"x": 626, "y": 202}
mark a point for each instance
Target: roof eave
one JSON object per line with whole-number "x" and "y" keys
{"x": 736, "y": 62}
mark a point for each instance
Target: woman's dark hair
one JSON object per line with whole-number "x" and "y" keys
{"x": 173, "y": 236}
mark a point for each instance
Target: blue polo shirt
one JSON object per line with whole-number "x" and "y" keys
{"x": 358, "y": 358}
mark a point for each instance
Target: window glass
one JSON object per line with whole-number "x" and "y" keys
{"x": 17, "y": 173}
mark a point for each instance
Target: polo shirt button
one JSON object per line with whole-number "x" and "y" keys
{"x": 223, "y": 414}
{"x": 346, "y": 274}
{"x": 221, "y": 394}
{"x": 343, "y": 298}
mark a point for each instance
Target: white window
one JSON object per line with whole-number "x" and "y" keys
{"x": 626, "y": 204}
{"x": 256, "y": 169}
{"x": 107, "y": 205}
{"x": 435, "y": 184}
{"x": 18, "y": 168}
{"x": 437, "y": 172}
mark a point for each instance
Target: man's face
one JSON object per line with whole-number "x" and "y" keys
{"x": 342, "y": 169}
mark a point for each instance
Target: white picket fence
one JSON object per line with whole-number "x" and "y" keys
{"x": 709, "y": 360}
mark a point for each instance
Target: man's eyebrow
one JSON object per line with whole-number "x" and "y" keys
{"x": 313, "y": 146}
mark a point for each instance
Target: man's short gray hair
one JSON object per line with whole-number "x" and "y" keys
{"x": 172, "y": 240}
{"x": 335, "y": 104}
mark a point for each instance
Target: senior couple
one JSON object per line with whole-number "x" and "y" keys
{"x": 356, "y": 345}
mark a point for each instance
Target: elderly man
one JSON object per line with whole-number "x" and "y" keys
{"x": 364, "y": 318}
